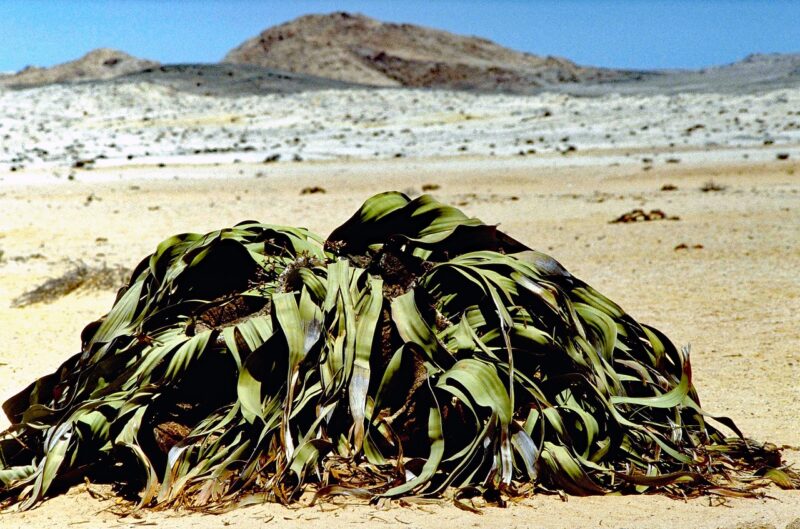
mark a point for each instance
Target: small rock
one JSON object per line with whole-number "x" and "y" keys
{"x": 85, "y": 163}
{"x": 782, "y": 156}
{"x": 693, "y": 128}
{"x": 684, "y": 246}
{"x": 712, "y": 186}
{"x": 639, "y": 215}
{"x": 568, "y": 149}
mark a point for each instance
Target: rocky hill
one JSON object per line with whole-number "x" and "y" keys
{"x": 99, "y": 64}
{"x": 359, "y": 49}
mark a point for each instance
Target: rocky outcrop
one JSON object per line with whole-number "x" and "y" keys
{"x": 359, "y": 49}
{"x": 99, "y": 64}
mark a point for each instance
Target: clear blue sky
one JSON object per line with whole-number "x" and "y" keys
{"x": 625, "y": 33}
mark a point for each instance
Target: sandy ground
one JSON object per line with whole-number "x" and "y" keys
{"x": 736, "y": 299}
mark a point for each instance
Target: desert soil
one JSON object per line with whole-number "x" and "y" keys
{"x": 733, "y": 294}
{"x": 117, "y": 123}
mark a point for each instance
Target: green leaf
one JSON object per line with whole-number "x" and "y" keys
{"x": 413, "y": 329}
{"x": 482, "y": 386}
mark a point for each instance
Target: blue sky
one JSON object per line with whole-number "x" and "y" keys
{"x": 631, "y": 34}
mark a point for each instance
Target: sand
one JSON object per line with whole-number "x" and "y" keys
{"x": 735, "y": 300}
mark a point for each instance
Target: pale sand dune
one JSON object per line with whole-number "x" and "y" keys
{"x": 736, "y": 300}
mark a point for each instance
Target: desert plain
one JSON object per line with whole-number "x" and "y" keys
{"x": 94, "y": 175}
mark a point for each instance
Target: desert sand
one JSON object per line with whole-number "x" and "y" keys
{"x": 735, "y": 300}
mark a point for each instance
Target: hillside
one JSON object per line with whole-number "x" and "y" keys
{"x": 99, "y": 64}
{"x": 756, "y": 73}
{"x": 358, "y": 49}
